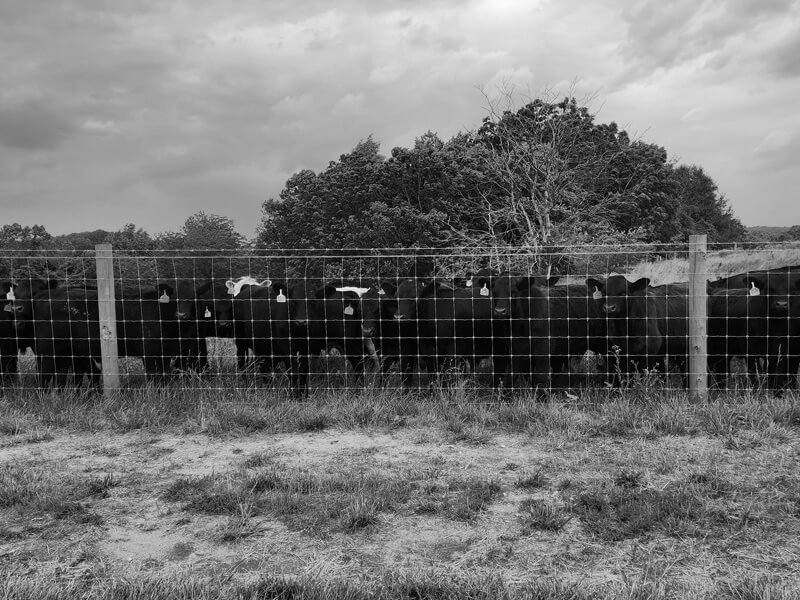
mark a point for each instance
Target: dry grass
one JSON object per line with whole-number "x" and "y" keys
{"x": 719, "y": 264}
{"x": 641, "y": 495}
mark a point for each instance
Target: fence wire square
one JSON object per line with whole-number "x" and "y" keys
{"x": 495, "y": 322}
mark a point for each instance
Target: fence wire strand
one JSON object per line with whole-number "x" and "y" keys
{"x": 498, "y": 321}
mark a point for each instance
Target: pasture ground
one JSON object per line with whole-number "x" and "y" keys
{"x": 206, "y": 493}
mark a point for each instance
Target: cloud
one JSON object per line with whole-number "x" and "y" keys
{"x": 148, "y": 105}
{"x": 349, "y": 105}
{"x": 779, "y": 149}
{"x": 33, "y": 126}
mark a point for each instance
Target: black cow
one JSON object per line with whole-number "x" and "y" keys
{"x": 336, "y": 323}
{"x": 66, "y": 331}
{"x": 379, "y": 323}
{"x": 550, "y": 325}
{"x": 738, "y": 325}
{"x": 10, "y": 343}
{"x": 781, "y": 287}
{"x": 646, "y": 324}
{"x": 779, "y": 291}
{"x": 196, "y": 321}
{"x": 224, "y": 308}
{"x": 274, "y": 322}
{"x": 441, "y": 324}
{"x": 20, "y": 310}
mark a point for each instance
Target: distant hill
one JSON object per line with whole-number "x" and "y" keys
{"x": 768, "y": 229}
{"x": 773, "y": 233}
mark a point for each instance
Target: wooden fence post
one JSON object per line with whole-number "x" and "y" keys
{"x": 698, "y": 319}
{"x": 106, "y": 299}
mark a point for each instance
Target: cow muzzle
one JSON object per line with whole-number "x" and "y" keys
{"x": 499, "y": 310}
{"x": 399, "y": 317}
{"x": 610, "y": 309}
{"x": 367, "y": 331}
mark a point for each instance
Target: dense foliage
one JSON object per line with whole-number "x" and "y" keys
{"x": 546, "y": 175}
{"x": 535, "y": 181}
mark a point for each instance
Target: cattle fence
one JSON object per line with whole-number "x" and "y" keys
{"x": 537, "y": 321}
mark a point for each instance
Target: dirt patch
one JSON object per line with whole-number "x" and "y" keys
{"x": 134, "y": 528}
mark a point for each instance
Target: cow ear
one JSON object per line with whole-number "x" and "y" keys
{"x": 595, "y": 284}
{"x": 230, "y": 285}
{"x": 389, "y": 287}
{"x": 266, "y": 283}
{"x": 51, "y": 284}
{"x": 6, "y": 287}
{"x": 551, "y": 281}
{"x": 165, "y": 288}
{"x": 638, "y": 285}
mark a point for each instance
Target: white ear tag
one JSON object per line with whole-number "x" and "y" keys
{"x": 207, "y": 314}
{"x": 281, "y": 299}
{"x": 163, "y": 298}
{"x": 10, "y": 295}
{"x": 381, "y": 292}
{"x": 484, "y": 290}
{"x": 8, "y": 308}
{"x": 348, "y": 310}
{"x": 754, "y": 291}
{"x": 469, "y": 282}
{"x": 597, "y": 294}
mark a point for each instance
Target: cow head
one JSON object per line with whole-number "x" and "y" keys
{"x": 299, "y": 296}
{"x": 186, "y": 300}
{"x": 340, "y": 303}
{"x": 614, "y": 293}
{"x": 216, "y": 303}
{"x": 234, "y": 286}
{"x": 21, "y": 306}
{"x": 505, "y": 286}
{"x": 408, "y": 292}
{"x": 780, "y": 287}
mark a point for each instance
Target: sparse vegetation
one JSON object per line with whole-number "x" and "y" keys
{"x": 611, "y": 493}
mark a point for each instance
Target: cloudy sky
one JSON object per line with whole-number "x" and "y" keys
{"x": 148, "y": 111}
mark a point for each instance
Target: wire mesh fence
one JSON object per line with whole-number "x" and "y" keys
{"x": 544, "y": 320}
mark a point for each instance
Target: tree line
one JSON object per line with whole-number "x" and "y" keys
{"x": 537, "y": 181}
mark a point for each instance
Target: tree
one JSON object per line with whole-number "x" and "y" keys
{"x": 21, "y": 255}
{"x": 540, "y": 179}
{"x": 702, "y": 209}
{"x": 203, "y": 248}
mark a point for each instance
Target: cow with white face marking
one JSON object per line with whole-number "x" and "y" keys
{"x": 335, "y": 325}
{"x": 274, "y": 322}
{"x": 237, "y": 290}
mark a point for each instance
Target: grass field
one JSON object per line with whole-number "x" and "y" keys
{"x": 205, "y": 493}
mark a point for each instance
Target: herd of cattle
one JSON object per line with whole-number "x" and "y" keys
{"x": 530, "y": 328}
